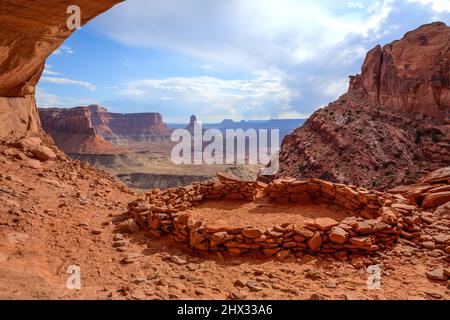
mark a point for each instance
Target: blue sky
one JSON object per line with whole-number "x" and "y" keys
{"x": 236, "y": 59}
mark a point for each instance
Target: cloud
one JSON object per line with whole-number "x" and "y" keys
{"x": 63, "y": 50}
{"x": 253, "y": 33}
{"x": 211, "y": 96}
{"x": 66, "y": 81}
{"x": 45, "y": 99}
{"x": 51, "y": 73}
{"x": 437, "y": 5}
{"x": 355, "y": 5}
{"x": 207, "y": 67}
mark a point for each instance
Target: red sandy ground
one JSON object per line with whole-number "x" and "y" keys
{"x": 263, "y": 214}
{"x": 53, "y": 227}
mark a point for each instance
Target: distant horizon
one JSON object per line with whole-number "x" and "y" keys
{"x": 182, "y": 123}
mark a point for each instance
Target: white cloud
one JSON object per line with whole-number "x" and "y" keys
{"x": 66, "y": 81}
{"x": 207, "y": 67}
{"x": 63, "y": 50}
{"x": 355, "y": 5}
{"x": 48, "y": 71}
{"x": 255, "y": 34}
{"x": 51, "y": 73}
{"x": 437, "y": 5}
{"x": 212, "y": 95}
{"x": 292, "y": 115}
{"x": 45, "y": 99}
{"x": 336, "y": 88}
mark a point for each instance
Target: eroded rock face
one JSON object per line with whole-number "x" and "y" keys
{"x": 94, "y": 130}
{"x": 30, "y": 32}
{"x": 123, "y": 128}
{"x": 73, "y": 132}
{"x": 387, "y": 130}
{"x": 18, "y": 117}
{"x": 410, "y": 75}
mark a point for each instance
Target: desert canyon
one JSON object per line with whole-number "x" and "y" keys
{"x": 364, "y": 182}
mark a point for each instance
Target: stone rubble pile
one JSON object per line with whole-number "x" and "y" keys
{"x": 379, "y": 220}
{"x": 429, "y": 192}
{"x": 432, "y": 195}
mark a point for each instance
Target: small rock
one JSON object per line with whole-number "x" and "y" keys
{"x": 34, "y": 164}
{"x": 237, "y": 295}
{"x": 434, "y": 295}
{"x": 251, "y": 233}
{"x": 118, "y": 244}
{"x": 193, "y": 266}
{"x": 338, "y": 235}
{"x": 436, "y": 274}
{"x": 447, "y": 271}
{"x": 161, "y": 282}
{"x": 258, "y": 273}
{"x": 139, "y": 280}
{"x": 282, "y": 255}
{"x": 325, "y": 224}
{"x": 313, "y": 274}
{"x": 315, "y": 242}
{"x": 239, "y": 283}
{"x": 316, "y": 296}
{"x": 436, "y": 253}
{"x": 429, "y": 245}
{"x": 131, "y": 258}
{"x": 178, "y": 260}
{"x": 426, "y": 237}
{"x": 131, "y": 225}
{"x": 96, "y": 231}
{"x": 118, "y": 237}
{"x": 253, "y": 286}
{"x": 442, "y": 238}
{"x": 331, "y": 285}
{"x": 199, "y": 292}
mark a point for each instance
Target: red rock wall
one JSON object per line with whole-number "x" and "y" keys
{"x": 30, "y": 31}
{"x": 75, "y": 121}
{"x": 410, "y": 75}
{"x": 73, "y": 132}
{"x": 117, "y": 127}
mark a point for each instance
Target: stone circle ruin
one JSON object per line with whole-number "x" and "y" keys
{"x": 374, "y": 220}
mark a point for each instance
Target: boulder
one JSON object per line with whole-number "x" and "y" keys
{"x": 43, "y": 153}
{"x": 436, "y": 199}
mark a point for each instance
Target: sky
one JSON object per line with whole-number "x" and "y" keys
{"x": 225, "y": 59}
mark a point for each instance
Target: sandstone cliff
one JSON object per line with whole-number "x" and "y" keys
{"x": 122, "y": 128}
{"x": 391, "y": 127}
{"x": 73, "y": 132}
{"x": 410, "y": 75}
{"x": 30, "y": 32}
{"x": 94, "y": 130}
